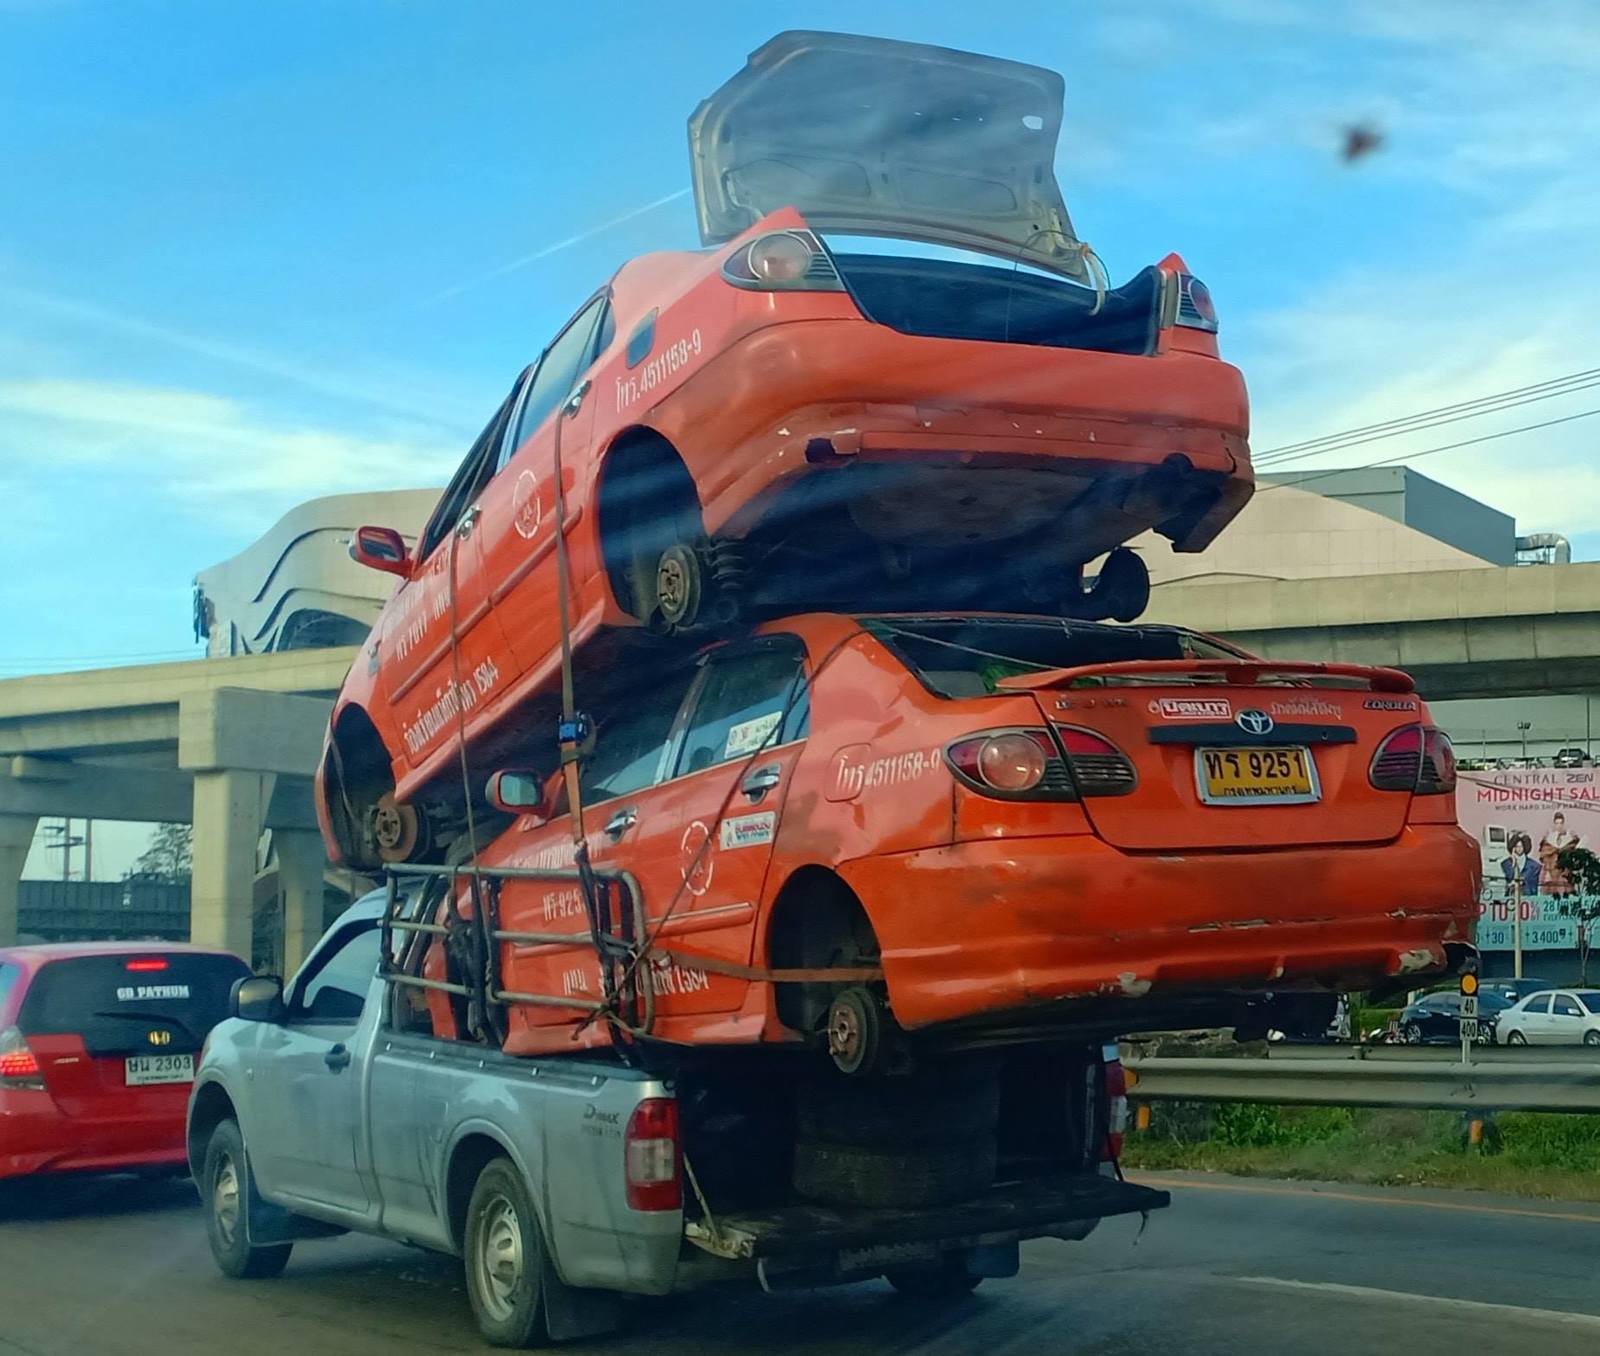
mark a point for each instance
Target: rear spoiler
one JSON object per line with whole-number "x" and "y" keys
{"x": 1231, "y": 672}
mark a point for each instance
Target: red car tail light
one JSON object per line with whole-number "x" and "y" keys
{"x": 1011, "y": 765}
{"x": 1099, "y": 767}
{"x": 653, "y": 1156}
{"x": 783, "y": 261}
{"x": 19, "y": 1066}
{"x": 144, "y": 965}
{"x": 1416, "y": 758}
{"x": 1196, "y": 310}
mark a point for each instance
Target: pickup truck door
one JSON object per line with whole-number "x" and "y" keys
{"x": 310, "y": 1091}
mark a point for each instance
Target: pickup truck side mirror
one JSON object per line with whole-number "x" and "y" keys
{"x": 257, "y": 998}
{"x": 518, "y": 791}
{"x": 381, "y": 548}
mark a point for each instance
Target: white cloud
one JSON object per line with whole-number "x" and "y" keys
{"x": 217, "y": 454}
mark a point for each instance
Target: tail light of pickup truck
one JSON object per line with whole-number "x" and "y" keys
{"x": 1416, "y": 758}
{"x": 653, "y": 1156}
{"x": 1116, "y": 1108}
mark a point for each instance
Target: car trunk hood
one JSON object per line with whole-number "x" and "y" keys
{"x": 874, "y": 137}
{"x": 1169, "y": 717}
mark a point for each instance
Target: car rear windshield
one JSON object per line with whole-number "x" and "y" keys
{"x": 968, "y": 657}
{"x": 112, "y": 1001}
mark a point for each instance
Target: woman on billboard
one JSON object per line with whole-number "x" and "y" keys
{"x": 1557, "y": 839}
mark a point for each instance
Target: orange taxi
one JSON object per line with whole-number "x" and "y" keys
{"x": 795, "y": 418}
{"x": 976, "y": 827}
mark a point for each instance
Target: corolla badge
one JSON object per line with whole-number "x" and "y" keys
{"x": 1253, "y": 722}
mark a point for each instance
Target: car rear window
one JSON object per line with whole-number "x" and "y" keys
{"x": 112, "y": 1006}
{"x": 967, "y": 657}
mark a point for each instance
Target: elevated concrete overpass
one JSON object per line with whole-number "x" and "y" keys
{"x": 1521, "y": 631}
{"x": 226, "y": 744}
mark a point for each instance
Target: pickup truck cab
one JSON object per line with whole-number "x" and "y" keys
{"x": 560, "y": 1181}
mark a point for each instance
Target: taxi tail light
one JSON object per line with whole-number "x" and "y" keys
{"x": 1416, "y": 758}
{"x": 19, "y": 1066}
{"x": 653, "y": 1156}
{"x": 1099, "y": 767}
{"x": 1195, "y": 310}
{"x": 1116, "y": 1111}
{"x": 783, "y": 261}
{"x": 1018, "y": 764}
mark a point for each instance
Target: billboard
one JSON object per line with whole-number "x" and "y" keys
{"x": 1521, "y": 818}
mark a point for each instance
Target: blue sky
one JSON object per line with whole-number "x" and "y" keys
{"x": 245, "y": 249}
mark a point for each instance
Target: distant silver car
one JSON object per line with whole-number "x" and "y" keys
{"x": 1571, "y": 758}
{"x": 1553, "y": 1017}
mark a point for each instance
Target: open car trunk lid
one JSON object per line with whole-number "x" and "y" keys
{"x": 875, "y": 137}
{"x": 1236, "y": 753}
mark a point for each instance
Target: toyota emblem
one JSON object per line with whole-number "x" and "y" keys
{"x": 1253, "y": 722}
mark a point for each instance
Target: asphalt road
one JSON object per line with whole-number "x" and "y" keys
{"x": 1236, "y": 1267}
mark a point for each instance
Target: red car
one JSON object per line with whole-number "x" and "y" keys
{"x": 98, "y": 1047}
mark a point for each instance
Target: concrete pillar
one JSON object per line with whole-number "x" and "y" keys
{"x": 16, "y": 837}
{"x": 229, "y": 808}
{"x": 301, "y": 862}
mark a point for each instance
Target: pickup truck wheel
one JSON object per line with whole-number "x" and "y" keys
{"x": 227, "y": 1185}
{"x": 944, "y": 1280}
{"x": 504, "y": 1258}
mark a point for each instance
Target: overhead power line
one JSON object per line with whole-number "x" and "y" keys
{"x": 1424, "y": 419}
{"x": 1428, "y": 452}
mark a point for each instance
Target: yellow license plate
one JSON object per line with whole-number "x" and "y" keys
{"x": 1255, "y": 776}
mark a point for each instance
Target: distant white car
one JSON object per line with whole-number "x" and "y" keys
{"x": 1552, "y": 1017}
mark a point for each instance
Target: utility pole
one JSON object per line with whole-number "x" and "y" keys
{"x": 1516, "y": 924}
{"x": 1524, "y": 726}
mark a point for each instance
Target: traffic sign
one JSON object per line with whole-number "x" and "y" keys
{"x": 1469, "y": 1004}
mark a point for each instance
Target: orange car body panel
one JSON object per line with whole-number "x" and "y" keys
{"x": 987, "y": 908}
{"x": 742, "y": 383}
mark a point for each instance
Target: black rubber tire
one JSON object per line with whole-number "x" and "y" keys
{"x": 947, "y": 1279}
{"x": 517, "y": 1318}
{"x": 856, "y": 1175}
{"x": 226, "y": 1178}
{"x": 1591, "y": 1037}
{"x": 1411, "y": 1034}
{"x": 1516, "y": 1038}
{"x": 937, "y": 1106}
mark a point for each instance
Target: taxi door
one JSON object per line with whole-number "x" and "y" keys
{"x": 701, "y": 842}
{"x": 417, "y": 670}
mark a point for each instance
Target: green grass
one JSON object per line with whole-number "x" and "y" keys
{"x": 1525, "y": 1153}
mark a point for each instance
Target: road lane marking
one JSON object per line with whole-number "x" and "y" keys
{"x": 1564, "y": 1317}
{"x": 1183, "y": 1184}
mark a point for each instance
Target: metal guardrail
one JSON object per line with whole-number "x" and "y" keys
{"x": 1496, "y": 1079}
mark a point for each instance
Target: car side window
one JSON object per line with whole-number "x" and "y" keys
{"x": 1589, "y": 1001}
{"x": 630, "y": 741}
{"x": 1540, "y": 1003}
{"x": 745, "y": 696}
{"x": 336, "y": 989}
{"x": 469, "y": 479}
{"x": 574, "y": 349}
{"x": 1565, "y": 1005}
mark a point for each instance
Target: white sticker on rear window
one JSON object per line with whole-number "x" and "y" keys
{"x": 750, "y": 735}
{"x": 138, "y": 992}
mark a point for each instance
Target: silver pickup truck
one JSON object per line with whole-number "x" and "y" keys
{"x": 328, "y": 1106}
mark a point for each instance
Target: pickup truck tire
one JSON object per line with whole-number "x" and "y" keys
{"x": 503, "y": 1254}
{"x": 890, "y": 1178}
{"x": 941, "y": 1106}
{"x": 227, "y": 1185}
